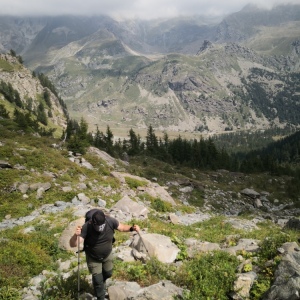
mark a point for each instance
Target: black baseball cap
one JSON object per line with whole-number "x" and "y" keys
{"x": 98, "y": 220}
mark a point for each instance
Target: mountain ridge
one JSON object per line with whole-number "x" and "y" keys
{"x": 154, "y": 73}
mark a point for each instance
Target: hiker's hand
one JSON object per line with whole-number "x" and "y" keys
{"x": 78, "y": 230}
{"x": 136, "y": 228}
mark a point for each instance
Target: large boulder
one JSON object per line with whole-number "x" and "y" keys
{"x": 156, "y": 245}
{"x": 250, "y": 193}
{"x": 64, "y": 239}
{"x": 164, "y": 290}
{"x": 126, "y": 209}
{"x": 123, "y": 290}
{"x": 157, "y": 191}
{"x": 103, "y": 155}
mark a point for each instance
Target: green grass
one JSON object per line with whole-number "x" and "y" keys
{"x": 134, "y": 183}
{"x": 6, "y": 66}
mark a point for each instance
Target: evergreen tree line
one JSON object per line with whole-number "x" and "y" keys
{"x": 278, "y": 158}
{"x": 13, "y": 96}
{"x": 10, "y": 94}
{"x": 246, "y": 141}
{"x": 28, "y": 123}
{"x": 281, "y": 157}
{"x": 25, "y": 121}
{"x": 46, "y": 82}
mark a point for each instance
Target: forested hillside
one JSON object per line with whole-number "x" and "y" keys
{"x": 29, "y": 99}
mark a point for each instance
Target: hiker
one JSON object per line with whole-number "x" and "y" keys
{"x": 97, "y": 236}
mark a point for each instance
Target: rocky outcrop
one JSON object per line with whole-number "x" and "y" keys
{"x": 30, "y": 89}
{"x": 287, "y": 275}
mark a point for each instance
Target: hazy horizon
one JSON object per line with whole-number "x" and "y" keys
{"x": 143, "y": 9}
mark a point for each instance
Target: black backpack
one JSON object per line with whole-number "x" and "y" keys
{"x": 89, "y": 215}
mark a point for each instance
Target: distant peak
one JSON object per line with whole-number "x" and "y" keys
{"x": 251, "y": 7}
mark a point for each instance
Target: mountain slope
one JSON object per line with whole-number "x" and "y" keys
{"x": 23, "y": 97}
{"x": 169, "y": 73}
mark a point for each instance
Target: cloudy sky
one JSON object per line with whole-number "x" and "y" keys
{"x": 130, "y": 8}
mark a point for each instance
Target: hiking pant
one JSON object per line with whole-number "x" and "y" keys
{"x": 100, "y": 270}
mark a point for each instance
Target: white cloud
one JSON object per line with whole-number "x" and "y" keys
{"x": 130, "y": 8}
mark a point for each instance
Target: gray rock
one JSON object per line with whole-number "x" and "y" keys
{"x": 287, "y": 277}
{"x": 243, "y": 284}
{"x": 23, "y": 188}
{"x": 164, "y": 290}
{"x": 64, "y": 239}
{"x": 40, "y": 192}
{"x": 250, "y": 193}
{"x": 123, "y": 290}
{"x": 83, "y": 198}
{"x": 127, "y": 205}
{"x": 156, "y": 245}
{"x": 101, "y": 203}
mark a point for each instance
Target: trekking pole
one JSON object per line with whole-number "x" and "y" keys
{"x": 78, "y": 272}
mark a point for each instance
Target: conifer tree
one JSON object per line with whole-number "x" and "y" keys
{"x": 134, "y": 143}
{"x": 151, "y": 140}
{"x": 99, "y": 141}
{"x": 41, "y": 115}
{"x": 109, "y": 140}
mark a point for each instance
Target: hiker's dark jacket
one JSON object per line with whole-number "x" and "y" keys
{"x": 98, "y": 245}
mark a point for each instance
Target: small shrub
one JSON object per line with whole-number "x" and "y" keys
{"x": 136, "y": 272}
{"x": 9, "y": 293}
{"x": 161, "y": 206}
{"x": 58, "y": 288}
{"x": 269, "y": 246}
{"x": 247, "y": 268}
{"x": 196, "y": 198}
{"x": 134, "y": 183}
{"x": 208, "y": 276}
{"x": 260, "y": 287}
{"x": 182, "y": 246}
{"x": 27, "y": 257}
{"x": 144, "y": 274}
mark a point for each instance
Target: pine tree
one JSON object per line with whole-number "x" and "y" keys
{"x": 151, "y": 140}
{"x": 134, "y": 143}
{"x": 109, "y": 140}
{"x": 41, "y": 114}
